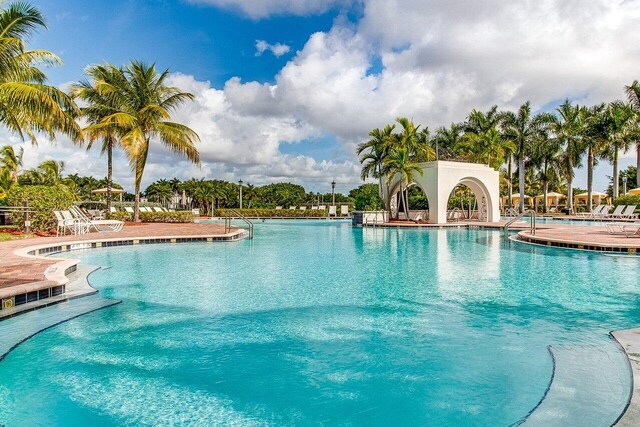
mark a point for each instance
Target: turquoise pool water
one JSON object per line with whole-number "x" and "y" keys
{"x": 320, "y": 323}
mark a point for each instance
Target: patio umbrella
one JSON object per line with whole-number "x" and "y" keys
{"x": 596, "y": 196}
{"x": 635, "y": 191}
{"x": 113, "y": 191}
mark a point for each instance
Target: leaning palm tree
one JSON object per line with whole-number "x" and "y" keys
{"x": 522, "y": 129}
{"x": 399, "y": 162}
{"x": 11, "y": 161}
{"x": 145, "y": 106}
{"x": 98, "y": 105}
{"x": 633, "y": 95}
{"x": 27, "y": 104}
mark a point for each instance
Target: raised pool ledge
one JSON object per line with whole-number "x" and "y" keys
{"x": 630, "y": 341}
{"x": 30, "y": 271}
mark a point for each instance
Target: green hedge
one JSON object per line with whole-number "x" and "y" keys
{"x": 629, "y": 199}
{"x": 272, "y": 213}
{"x": 43, "y": 200}
{"x": 180, "y": 216}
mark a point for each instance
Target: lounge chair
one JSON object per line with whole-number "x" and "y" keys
{"x": 322, "y": 207}
{"x": 278, "y": 208}
{"x": 292, "y": 208}
{"x": 629, "y": 212}
{"x": 64, "y": 224}
{"x": 112, "y": 210}
{"x": 344, "y": 210}
{"x": 100, "y": 225}
{"x": 332, "y": 211}
{"x": 632, "y": 230}
{"x": 158, "y": 210}
{"x": 616, "y": 213}
{"x": 594, "y": 212}
{"x": 128, "y": 209}
{"x": 303, "y": 208}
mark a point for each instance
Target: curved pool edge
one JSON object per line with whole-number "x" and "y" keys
{"x": 629, "y": 342}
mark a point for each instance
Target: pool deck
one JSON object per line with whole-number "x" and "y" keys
{"x": 630, "y": 342}
{"x": 24, "y": 267}
{"x": 591, "y": 238}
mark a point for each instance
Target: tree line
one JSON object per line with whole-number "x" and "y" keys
{"x": 545, "y": 147}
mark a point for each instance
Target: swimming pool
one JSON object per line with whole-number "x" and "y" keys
{"x": 316, "y": 322}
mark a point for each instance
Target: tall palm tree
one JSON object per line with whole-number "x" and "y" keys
{"x": 486, "y": 147}
{"x": 98, "y": 105}
{"x": 146, "y": 104}
{"x": 373, "y": 153}
{"x": 568, "y": 128}
{"x": 523, "y": 129}
{"x": 399, "y": 162}
{"x": 27, "y": 104}
{"x": 545, "y": 157}
{"x": 621, "y": 131}
{"x": 445, "y": 139}
{"x": 633, "y": 95}
{"x": 11, "y": 161}
{"x": 595, "y": 141}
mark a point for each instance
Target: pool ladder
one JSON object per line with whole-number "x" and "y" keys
{"x": 233, "y": 214}
{"x": 530, "y": 213}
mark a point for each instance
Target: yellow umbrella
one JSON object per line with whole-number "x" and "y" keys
{"x": 635, "y": 191}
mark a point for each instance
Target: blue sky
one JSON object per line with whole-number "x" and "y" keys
{"x": 337, "y": 69}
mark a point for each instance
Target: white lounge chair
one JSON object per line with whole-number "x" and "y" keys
{"x": 100, "y": 225}
{"x": 112, "y": 210}
{"x": 344, "y": 210}
{"x": 628, "y": 213}
{"x": 292, "y": 208}
{"x": 303, "y": 208}
{"x": 157, "y": 209}
{"x": 128, "y": 209}
{"x": 616, "y": 213}
{"x": 332, "y": 211}
{"x": 278, "y": 208}
{"x": 594, "y": 212}
{"x": 64, "y": 224}
{"x": 322, "y": 207}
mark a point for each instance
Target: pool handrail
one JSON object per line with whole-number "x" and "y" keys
{"x": 530, "y": 213}
{"x": 231, "y": 214}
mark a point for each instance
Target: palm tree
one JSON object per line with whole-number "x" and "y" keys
{"x": 568, "y": 128}
{"x": 621, "y": 132}
{"x": 633, "y": 95}
{"x": 595, "y": 140}
{"x": 145, "y": 105}
{"x": 373, "y": 153}
{"x": 400, "y": 162}
{"x": 486, "y": 147}
{"x": 11, "y": 161}
{"x": 99, "y": 106}
{"x": 545, "y": 156}
{"x": 445, "y": 139}
{"x": 48, "y": 172}
{"x": 523, "y": 129}
{"x": 27, "y": 104}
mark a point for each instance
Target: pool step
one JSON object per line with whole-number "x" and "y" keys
{"x": 18, "y": 329}
{"x": 590, "y": 387}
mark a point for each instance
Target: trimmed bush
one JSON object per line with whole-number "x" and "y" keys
{"x": 180, "y": 216}
{"x": 273, "y": 213}
{"x": 43, "y": 200}
{"x": 629, "y": 199}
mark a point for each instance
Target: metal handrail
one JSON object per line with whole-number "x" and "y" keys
{"x": 229, "y": 217}
{"x": 530, "y": 213}
{"x": 511, "y": 212}
{"x": 451, "y": 213}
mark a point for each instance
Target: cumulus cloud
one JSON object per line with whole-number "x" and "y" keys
{"x": 430, "y": 60}
{"x": 278, "y": 49}
{"x": 266, "y": 8}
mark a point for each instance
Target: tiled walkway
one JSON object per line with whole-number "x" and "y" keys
{"x": 584, "y": 237}
{"x": 16, "y": 270}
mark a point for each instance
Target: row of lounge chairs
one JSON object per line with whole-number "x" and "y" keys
{"x": 602, "y": 212}
{"x": 625, "y": 229}
{"x": 77, "y": 222}
{"x": 344, "y": 209}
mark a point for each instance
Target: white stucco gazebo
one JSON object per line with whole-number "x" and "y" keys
{"x": 438, "y": 180}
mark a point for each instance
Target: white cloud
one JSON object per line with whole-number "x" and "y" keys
{"x": 278, "y": 49}
{"x": 257, "y": 9}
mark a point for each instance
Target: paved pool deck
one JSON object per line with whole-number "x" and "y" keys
{"x": 592, "y": 238}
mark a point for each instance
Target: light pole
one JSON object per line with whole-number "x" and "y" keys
{"x": 333, "y": 193}
{"x": 240, "y": 182}
{"x": 624, "y": 185}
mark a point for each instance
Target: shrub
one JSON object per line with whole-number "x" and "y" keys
{"x": 180, "y": 216}
{"x": 629, "y": 199}
{"x": 43, "y": 200}
{"x": 273, "y": 213}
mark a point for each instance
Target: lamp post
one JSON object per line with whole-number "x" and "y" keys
{"x": 333, "y": 193}
{"x": 240, "y": 183}
{"x": 624, "y": 185}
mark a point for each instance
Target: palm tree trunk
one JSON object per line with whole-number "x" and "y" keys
{"x": 136, "y": 205}
{"x": 521, "y": 181}
{"x": 616, "y": 174}
{"x": 590, "y": 163}
{"x": 545, "y": 191}
{"x": 109, "y": 175}
{"x": 510, "y": 180}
